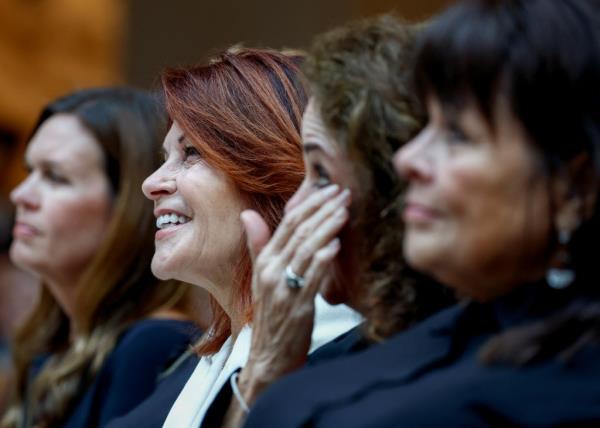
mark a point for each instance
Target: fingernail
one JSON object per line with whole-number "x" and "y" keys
{"x": 334, "y": 244}
{"x": 345, "y": 195}
{"x": 332, "y": 189}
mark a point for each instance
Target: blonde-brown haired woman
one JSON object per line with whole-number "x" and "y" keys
{"x": 104, "y": 327}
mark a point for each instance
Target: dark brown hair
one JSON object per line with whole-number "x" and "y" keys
{"x": 119, "y": 286}
{"x": 243, "y": 112}
{"x": 360, "y": 75}
{"x": 543, "y": 58}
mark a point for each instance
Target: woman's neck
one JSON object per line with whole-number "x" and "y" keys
{"x": 223, "y": 295}
{"x": 64, "y": 291}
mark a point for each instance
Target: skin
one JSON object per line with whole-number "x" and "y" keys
{"x": 63, "y": 206}
{"x": 477, "y": 211}
{"x": 310, "y": 239}
{"x": 205, "y": 250}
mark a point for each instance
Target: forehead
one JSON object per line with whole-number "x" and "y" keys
{"x": 175, "y": 135}
{"x": 64, "y": 140}
{"x": 316, "y": 133}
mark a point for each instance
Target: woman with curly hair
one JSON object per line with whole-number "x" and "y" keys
{"x": 340, "y": 235}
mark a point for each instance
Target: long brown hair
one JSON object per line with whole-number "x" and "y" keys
{"x": 243, "y": 111}
{"x": 118, "y": 286}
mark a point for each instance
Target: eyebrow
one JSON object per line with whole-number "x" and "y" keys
{"x": 48, "y": 164}
{"x": 314, "y": 147}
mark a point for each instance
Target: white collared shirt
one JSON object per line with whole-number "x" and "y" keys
{"x": 212, "y": 372}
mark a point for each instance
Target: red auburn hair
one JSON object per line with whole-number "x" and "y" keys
{"x": 243, "y": 112}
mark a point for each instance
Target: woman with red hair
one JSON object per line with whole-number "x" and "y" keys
{"x": 234, "y": 144}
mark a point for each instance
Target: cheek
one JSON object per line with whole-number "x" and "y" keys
{"x": 497, "y": 222}
{"x": 74, "y": 229}
{"x": 81, "y": 225}
{"x": 215, "y": 237}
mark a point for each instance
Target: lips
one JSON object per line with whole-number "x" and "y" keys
{"x": 416, "y": 213}
{"x": 169, "y": 221}
{"x": 23, "y": 230}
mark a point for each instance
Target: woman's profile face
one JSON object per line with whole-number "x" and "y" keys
{"x": 64, "y": 204}
{"x": 197, "y": 209}
{"x": 325, "y": 163}
{"x": 477, "y": 207}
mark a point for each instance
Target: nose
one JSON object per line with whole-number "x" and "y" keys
{"x": 26, "y": 194}
{"x": 159, "y": 183}
{"x": 412, "y": 161}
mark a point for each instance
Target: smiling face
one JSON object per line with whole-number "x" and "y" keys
{"x": 197, "y": 208}
{"x": 326, "y": 163}
{"x": 477, "y": 208}
{"x": 64, "y": 205}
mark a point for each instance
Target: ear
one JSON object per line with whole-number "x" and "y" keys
{"x": 574, "y": 192}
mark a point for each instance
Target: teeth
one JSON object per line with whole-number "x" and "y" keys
{"x": 167, "y": 220}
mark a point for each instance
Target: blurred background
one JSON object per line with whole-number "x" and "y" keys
{"x": 51, "y": 47}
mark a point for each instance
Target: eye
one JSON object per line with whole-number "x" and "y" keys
{"x": 54, "y": 177}
{"x": 190, "y": 152}
{"x": 455, "y": 134}
{"x": 323, "y": 178}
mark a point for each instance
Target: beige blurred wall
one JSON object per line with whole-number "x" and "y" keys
{"x": 49, "y": 47}
{"x": 187, "y": 31}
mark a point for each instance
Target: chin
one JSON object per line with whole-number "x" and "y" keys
{"x": 159, "y": 270}
{"x": 422, "y": 253}
{"x": 23, "y": 259}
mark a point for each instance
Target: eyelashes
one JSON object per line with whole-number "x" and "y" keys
{"x": 187, "y": 154}
{"x": 190, "y": 152}
{"x": 323, "y": 178}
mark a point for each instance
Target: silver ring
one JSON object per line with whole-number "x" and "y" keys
{"x": 292, "y": 279}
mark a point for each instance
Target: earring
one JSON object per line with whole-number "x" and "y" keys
{"x": 560, "y": 275}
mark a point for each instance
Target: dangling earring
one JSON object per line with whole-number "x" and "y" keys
{"x": 560, "y": 275}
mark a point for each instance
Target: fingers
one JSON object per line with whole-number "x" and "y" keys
{"x": 317, "y": 272}
{"x": 257, "y": 232}
{"x": 298, "y": 214}
{"x": 316, "y": 231}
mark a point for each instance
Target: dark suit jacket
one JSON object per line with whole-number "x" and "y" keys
{"x": 153, "y": 411}
{"x": 430, "y": 376}
{"x": 346, "y": 343}
{"x": 130, "y": 372}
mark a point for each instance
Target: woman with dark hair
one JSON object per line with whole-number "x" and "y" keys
{"x": 234, "y": 144}
{"x": 103, "y": 327}
{"x": 502, "y": 206}
{"x": 362, "y": 108}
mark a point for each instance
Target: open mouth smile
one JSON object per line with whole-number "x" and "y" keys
{"x": 169, "y": 220}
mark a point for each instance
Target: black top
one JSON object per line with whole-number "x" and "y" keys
{"x": 153, "y": 411}
{"x": 130, "y": 372}
{"x": 430, "y": 376}
{"x": 346, "y": 343}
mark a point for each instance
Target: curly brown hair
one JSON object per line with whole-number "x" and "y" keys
{"x": 360, "y": 76}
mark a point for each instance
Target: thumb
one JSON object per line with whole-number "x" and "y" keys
{"x": 257, "y": 232}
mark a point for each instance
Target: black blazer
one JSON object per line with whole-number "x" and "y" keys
{"x": 430, "y": 376}
{"x": 129, "y": 374}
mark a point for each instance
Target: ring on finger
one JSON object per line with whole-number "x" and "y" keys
{"x": 292, "y": 279}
